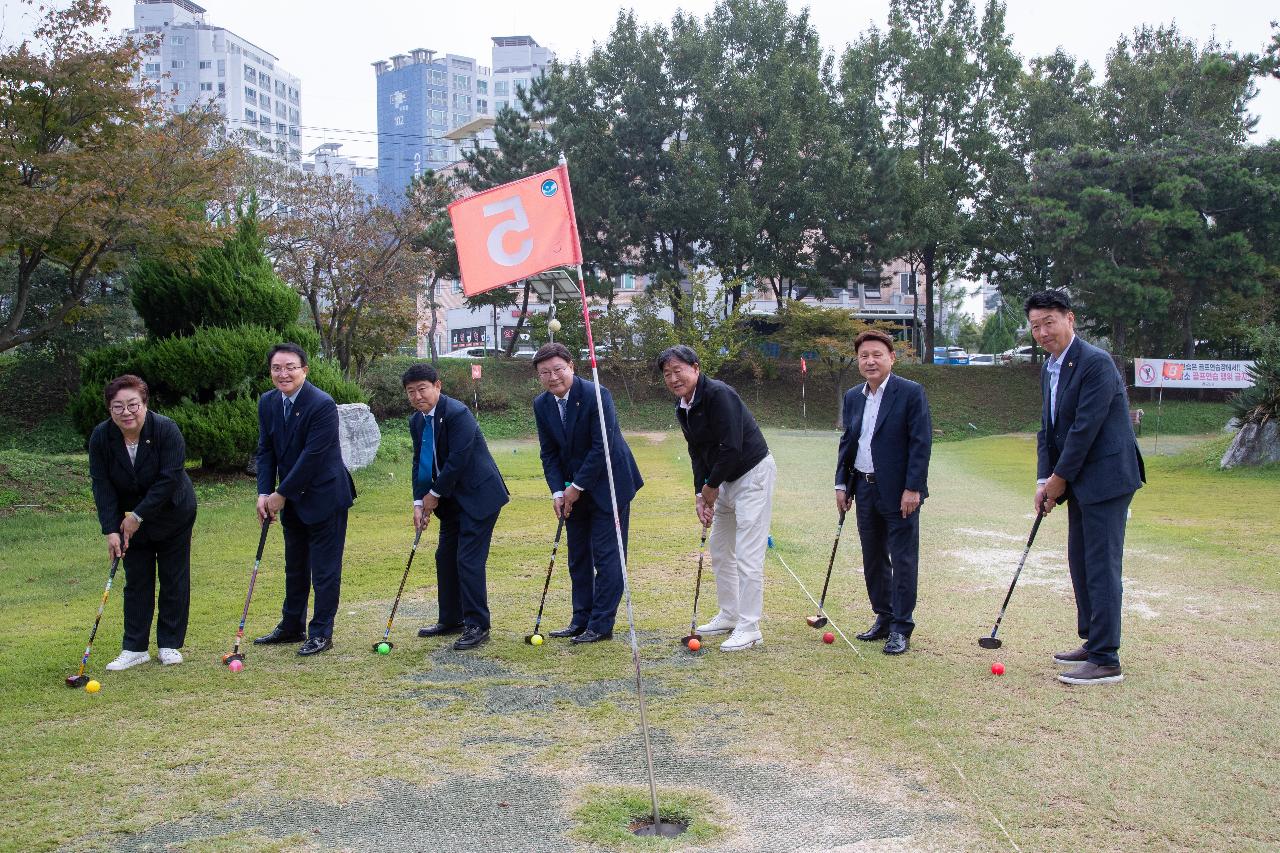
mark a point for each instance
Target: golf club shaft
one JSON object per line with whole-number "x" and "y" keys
{"x": 395, "y": 604}
{"x": 822, "y": 599}
{"x": 1008, "y": 595}
{"x": 111, "y": 576}
{"x": 253, "y": 578}
{"x": 697, "y": 583}
{"x": 546, "y": 584}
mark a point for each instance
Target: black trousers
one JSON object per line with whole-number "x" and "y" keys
{"x": 1095, "y": 548}
{"x": 461, "y": 555}
{"x": 890, "y": 558}
{"x": 595, "y": 567}
{"x": 169, "y": 560}
{"x": 312, "y": 559}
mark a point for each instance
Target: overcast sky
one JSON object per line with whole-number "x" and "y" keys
{"x": 331, "y": 43}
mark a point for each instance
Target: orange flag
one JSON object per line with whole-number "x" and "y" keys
{"x": 516, "y": 230}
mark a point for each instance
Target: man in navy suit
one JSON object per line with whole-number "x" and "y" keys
{"x": 455, "y": 477}
{"x": 883, "y": 466}
{"x": 1087, "y": 458}
{"x": 573, "y": 462}
{"x": 302, "y": 480}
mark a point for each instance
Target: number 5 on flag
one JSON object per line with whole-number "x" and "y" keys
{"x": 516, "y": 230}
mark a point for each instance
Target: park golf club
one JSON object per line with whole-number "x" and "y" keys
{"x": 820, "y": 619}
{"x": 992, "y": 642}
{"x": 697, "y": 588}
{"x": 235, "y": 655}
{"x": 80, "y": 679}
{"x": 386, "y": 641}
{"x": 546, "y": 585}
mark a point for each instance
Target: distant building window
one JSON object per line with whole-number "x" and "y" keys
{"x": 482, "y": 106}
{"x": 250, "y": 74}
{"x": 437, "y": 96}
{"x": 280, "y": 89}
{"x": 178, "y": 63}
{"x": 457, "y": 287}
{"x": 222, "y": 68}
{"x": 436, "y": 117}
{"x": 482, "y": 87}
{"x": 250, "y": 116}
{"x": 462, "y": 81}
{"x": 222, "y": 90}
{"x": 264, "y": 80}
{"x": 459, "y": 119}
{"x": 264, "y": 101}
{"x": 438, "y": 78}
{"x": 499, "y": 106}
{"x": 293, "y": 94}
{"x": 281, "y": 130}
{"x": 294, "y": 117}
{"x": 520, "y": 84}
{"x": 871, "y": 289}
{"x": 907, "y": 282}
{"x": 251, "y": 95}
{"x": 206, "y": 64}
{"x": 280, "y": 110}
{"x": 501, "y": 87}
{"x": 151, "y": 68}
{"x": 461, "y": 102}
{"x": 178, "y": 41}
{"x": 206, "y": 87}
{"x": 628, "y": 281}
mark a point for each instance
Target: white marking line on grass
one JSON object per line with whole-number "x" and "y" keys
{"x": 916, "y": 720}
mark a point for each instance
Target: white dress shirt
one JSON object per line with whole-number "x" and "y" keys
{"x": 870, "y": 411}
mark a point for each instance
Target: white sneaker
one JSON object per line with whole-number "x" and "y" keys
{"x": 128, "y": 659}
{"x": 741, "y": 640}
{"x": 169, "y": 657}
{"x": 721, "y": 624}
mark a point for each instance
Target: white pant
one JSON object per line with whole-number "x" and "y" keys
{"x": 738, "y": 540}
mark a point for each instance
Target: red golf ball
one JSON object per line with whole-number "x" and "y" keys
{"x": 828, "y": 638}
{"x": 997, "y": 668}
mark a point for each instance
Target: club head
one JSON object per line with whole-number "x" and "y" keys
{"x": 76, "y": 681}
{"x": 816, "y": 621}
{"x": 528, "y": 639}
{"x": 684, "y": 641}
{"x": 990, "y": 643}
{"x": 229, "y": 657}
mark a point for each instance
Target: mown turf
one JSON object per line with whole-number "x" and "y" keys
{"x": 1183, "y": 755}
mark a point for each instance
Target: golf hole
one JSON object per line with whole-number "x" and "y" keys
{"x": 667, "y": 827}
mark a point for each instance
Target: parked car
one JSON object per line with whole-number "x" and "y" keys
{"x": 466, "y": 352}
{"x": 982, "y": 360}
{"x": 1023, "y": 353}
{"x": 524, "y": 353}
{"x": 950, "y": 355}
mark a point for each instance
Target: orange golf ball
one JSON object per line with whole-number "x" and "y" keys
{"x": 694, "y": 644}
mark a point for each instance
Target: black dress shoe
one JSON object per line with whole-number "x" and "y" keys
{"x": 471, "y": 637}
{"x": 897, "y": 644}
{"x": 439, "y": 630}
{"x": 571, "y": 631}
{"x": 878, "y": 631}
{"x": 315, "y": 646}
{"x": 279, "y": 635}
{"x": 589, "y": 636}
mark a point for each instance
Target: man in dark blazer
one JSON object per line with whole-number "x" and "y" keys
{"x": 303, "y": 481}
{"x": 573, "y": 462}
{"x": 1087, "y": 458}
{"x": 455, "y": 477}
{"x": 883, "y": 467}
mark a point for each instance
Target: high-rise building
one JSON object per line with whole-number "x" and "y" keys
{"x": 422, "y": 96}
{"x": 327, "y": 159}
{"x": 195, "y": 62}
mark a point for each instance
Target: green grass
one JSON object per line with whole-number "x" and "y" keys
{"x": 1182, "y": 417}
{"x": 607, "y": 815}
{"x": 1184, "y": 755}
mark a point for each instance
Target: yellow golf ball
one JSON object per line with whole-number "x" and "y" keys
{"x": 537, "y": 639}
{"x": 92, "y": 687}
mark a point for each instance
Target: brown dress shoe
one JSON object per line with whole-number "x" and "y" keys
{"x": 1072, "y": 657}
{"x": 1091, "y": 673}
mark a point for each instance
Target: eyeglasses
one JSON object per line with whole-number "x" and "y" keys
{"x": 285, "y": 368}
{"x": 132, "y": 408}
{"x": 555, "y": 371}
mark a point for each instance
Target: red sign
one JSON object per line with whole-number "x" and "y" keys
{"x": 475, "y": 372}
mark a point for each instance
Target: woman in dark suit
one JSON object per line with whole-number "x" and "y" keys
{"x": 146, "y": 507}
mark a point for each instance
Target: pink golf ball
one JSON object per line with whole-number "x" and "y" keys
{"x": 235, "y": 666}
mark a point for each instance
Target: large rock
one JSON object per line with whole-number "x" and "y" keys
{"x": 1254, "y": 445}
{"x": 359, "y": 435}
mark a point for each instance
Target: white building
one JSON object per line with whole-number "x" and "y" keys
{"x": 193, "y": 61}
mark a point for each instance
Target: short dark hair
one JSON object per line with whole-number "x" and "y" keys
{"x": 873, "y": 335}
{"x": 551, "y": 350}
{"x": 289, "y": 347}
{"x": 420, "y": 372}
{"x": 679, "y": 352}
{"x": 120, "y": 383}
{"x": 1056, "y": 300}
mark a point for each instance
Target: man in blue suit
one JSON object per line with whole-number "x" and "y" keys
{"x": 1087, "y": 458}
{"x": 573, "y": 461}
{"x": 455, "y": 477}
{"x": 302, "y": 480}
{"x": 883, "y": 467}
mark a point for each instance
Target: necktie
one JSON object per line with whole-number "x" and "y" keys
{"x": 288, "y": 410}
{"x": 426, "y": 457}
{"x": 563, "y": 403}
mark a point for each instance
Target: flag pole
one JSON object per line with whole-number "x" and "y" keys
{"x": 617, "y": 519}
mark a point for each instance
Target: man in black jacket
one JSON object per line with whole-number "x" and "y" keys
{"x": 455, "y": 477}
{"x": 733, "y": 476}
